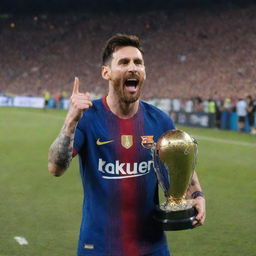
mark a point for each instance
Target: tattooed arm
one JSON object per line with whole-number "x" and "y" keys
{"x": 60, "y": 152}
{"x": 194, "y": 185}
{"x": 197, "y": 199}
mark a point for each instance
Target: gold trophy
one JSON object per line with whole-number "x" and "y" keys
{"x": 175, "y": 156}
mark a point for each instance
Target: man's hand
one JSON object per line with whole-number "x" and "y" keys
{"x": 60, "y": 152}
{"x": 199, "y": 204}
{"x": 79, "y": 102}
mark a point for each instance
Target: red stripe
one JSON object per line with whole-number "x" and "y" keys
{"x": 75, "y": 152}
{"x": 104, "y": 101}
{"x": 129, "y": 202}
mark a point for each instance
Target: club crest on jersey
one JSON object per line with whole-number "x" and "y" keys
{"x": 147, "y": 141}
{"x": 126, "y": 141}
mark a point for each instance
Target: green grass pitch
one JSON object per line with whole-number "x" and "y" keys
{"x": 47, "y": 210}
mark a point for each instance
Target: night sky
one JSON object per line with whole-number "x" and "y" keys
{"x": 21, "y": 6}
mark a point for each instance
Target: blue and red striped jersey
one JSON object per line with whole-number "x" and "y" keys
{"x": 120, "y": 185}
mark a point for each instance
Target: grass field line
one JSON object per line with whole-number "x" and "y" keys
{"x": 233, "y": 142}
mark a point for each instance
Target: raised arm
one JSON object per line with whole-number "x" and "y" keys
{"x": 197, "y": 199}
{"x": 60, "y": 152}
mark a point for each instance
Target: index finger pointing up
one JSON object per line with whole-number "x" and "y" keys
{"x": 76, "y": 86}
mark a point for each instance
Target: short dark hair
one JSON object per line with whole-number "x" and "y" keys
{"x": 119, "y": 40}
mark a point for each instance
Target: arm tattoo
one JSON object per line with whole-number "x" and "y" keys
{"x": 60, "y": 152}
{"x": 194, "y": 185}
{"x": 193, "y": 182}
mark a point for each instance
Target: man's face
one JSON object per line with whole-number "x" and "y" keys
{"x": 127, "y": 73}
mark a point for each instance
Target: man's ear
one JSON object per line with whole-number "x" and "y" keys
{"x": 105, "y": 72}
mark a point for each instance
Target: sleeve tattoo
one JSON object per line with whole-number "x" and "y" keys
{"x": 60, "y": 152}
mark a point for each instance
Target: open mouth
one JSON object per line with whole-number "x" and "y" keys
{"x": 131, "y": 84}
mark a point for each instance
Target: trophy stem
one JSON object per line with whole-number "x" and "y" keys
{"x": 174, "y": 200}
{"x": 175, "y": 204}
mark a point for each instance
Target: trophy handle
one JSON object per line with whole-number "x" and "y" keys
{"x": 195, "y": 154}
{"x": 161, "y": 171}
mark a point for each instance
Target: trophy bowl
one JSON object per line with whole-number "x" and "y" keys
{"x": 174, "y": 157}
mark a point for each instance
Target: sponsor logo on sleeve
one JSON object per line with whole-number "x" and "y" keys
{"x": 89, "y": 246}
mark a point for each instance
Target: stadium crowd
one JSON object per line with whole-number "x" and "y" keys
{"x": 189, "y": 53}
{"x": 244, "y": 108}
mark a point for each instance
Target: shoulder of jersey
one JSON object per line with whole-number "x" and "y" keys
{"x": 153, "y": 110}
{"x": 96, "y": 105}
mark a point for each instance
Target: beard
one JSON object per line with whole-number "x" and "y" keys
{"x": 124, "y": 95}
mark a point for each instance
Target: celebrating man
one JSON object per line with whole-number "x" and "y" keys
{"x": 112, "y": 137}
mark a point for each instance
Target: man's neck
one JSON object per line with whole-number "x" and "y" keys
{"x": 121, "y": 109}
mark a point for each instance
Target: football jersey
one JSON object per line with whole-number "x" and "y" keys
{"x": 120, "y": 185}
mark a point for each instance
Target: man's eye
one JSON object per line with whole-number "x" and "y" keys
{"x": 138, "y": 62}
{"x": 124, "y": 62}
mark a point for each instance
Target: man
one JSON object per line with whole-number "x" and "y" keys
{"x": 47, "y": 97}
{"x": 241, "y": 110}
{"x": 111, "y": 136}
{"x": 251, "y": 109}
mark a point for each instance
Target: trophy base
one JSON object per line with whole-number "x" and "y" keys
{"x": 175, "y": 220}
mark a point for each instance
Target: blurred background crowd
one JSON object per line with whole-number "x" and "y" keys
{"x": 194, "y": 56}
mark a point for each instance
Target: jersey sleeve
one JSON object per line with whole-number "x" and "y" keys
{"x": 78, "y": 139}
{"x": 171, "y": 124}
{"x": 168, "y": 123}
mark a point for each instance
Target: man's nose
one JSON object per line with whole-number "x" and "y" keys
{"x": 132, "y": 67}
